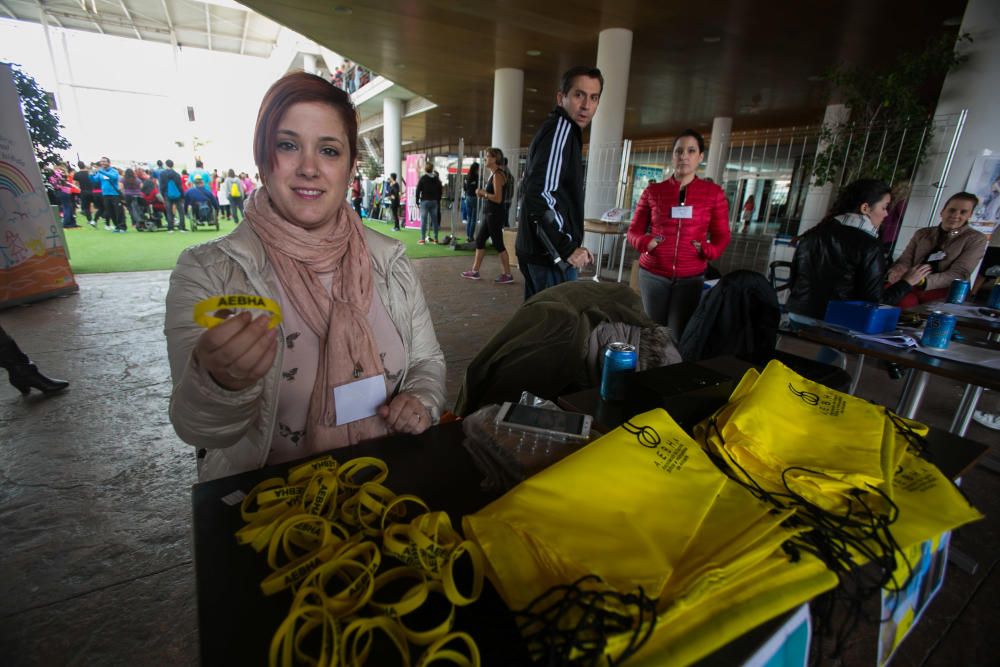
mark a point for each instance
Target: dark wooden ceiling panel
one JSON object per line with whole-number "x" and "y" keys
{"x": 755, "y": 61}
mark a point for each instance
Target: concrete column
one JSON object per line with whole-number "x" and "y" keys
{"x": 179, "y": 101}
{"x": 614, "y": 54}
{"x": 52, "y": 56}
{"x": 718, "y": 149}
{"x": 309, "y": 63}
{"x": 508, "y": 98}
{"x": 78, "y": 115}
{"x": 818, "y": 196}
{"x": 392, "y": 130}
{"x": 965, "y": 87}
{"x": 278, "y": 64}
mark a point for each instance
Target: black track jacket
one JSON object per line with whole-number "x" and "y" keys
{"x": 552, "y": 191}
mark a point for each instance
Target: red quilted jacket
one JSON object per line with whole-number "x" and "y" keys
{"x": 675, "y": 257}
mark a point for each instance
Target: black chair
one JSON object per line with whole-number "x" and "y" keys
{"x": 779, "y": 274}
{"x": 783, "y": 281}
{"x": 740, "y": 316}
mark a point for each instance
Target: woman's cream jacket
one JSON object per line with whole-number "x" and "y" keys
{"x": 235, "y": 428}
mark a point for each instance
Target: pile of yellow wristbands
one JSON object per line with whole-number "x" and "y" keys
{"x": 360, "y": 561}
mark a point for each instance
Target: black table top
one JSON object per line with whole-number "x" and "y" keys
{"x": 236, "y": 621}
{"x": 980, "y": 376}
{"x": 991, "y": 325}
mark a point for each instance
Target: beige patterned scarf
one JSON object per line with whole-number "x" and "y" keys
{"x": 339, "y": 316}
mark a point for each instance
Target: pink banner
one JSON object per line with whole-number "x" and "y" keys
{"x": 414, "y": 167}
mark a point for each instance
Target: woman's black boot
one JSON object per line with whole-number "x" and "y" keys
{"x": 24, "y": 377}
{"x": 23, "y": 374}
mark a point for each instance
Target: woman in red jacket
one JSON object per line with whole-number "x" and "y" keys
{"x": 678, "y": 226}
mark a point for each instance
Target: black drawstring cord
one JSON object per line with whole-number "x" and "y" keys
{"x": 840, "y": 540}
{"x": 569, "y": 618}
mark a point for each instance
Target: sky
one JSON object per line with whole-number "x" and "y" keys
{"x": 128, "y": 99}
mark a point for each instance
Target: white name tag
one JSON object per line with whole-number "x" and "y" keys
{"x": 682, "y": 212}
{"x": 937, "y": 256}
{"x": 358, "y": 400}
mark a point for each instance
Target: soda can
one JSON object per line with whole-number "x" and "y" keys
{"x": 619, "y": 359}
{"x": 938, "y": 330}
{"x": 994, "y": 301}
{"x": 959, "y": 290}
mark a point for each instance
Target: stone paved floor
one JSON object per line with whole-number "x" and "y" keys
{"x": 95, "y": 497}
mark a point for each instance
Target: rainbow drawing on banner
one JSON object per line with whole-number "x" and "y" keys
{"x": 13, "y": 179}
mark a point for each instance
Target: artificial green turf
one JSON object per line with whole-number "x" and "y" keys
{"x": 411, "y": 238}
{"x": 95, "y": 250}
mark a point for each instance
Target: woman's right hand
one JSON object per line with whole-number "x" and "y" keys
{"x": 581, "y": 258}
{"x": 895, "y": 273}
{"x": 917, "y": 274}
{"x": 238, "y": 352}
{"x": 651, "y": 246}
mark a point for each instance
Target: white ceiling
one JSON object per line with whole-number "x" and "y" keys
{"x": 217, "y": 25}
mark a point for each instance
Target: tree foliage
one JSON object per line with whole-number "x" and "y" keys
{"x": 43, "y": 123}
{"x": 888, "y": 134}
{"x": 371, "y": 166}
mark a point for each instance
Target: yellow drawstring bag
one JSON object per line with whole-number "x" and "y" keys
{"x": 685, "y": 634}
{"x": 800, "y": 422}
{"x": 716, "y": 595}
{"x": 833, "y": 460}
{"x": 737, "y": 531}
{"x": 929, "y": 504}
{"x": 623, "y": 508}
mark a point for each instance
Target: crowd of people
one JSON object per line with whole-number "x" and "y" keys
{"x": 350, "y": 77}
{"x": 147, "y": 195}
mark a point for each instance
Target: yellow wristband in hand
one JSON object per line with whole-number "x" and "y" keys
{"x": 203, "y": 309}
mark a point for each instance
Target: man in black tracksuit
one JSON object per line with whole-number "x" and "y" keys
{"x": 553, "y": 186}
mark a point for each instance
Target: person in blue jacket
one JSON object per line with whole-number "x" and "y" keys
{"x": 199, "y": 170}
{"x": 110, "y": 181}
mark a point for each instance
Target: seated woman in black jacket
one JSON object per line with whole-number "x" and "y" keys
{"x": 840, "y": 259}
